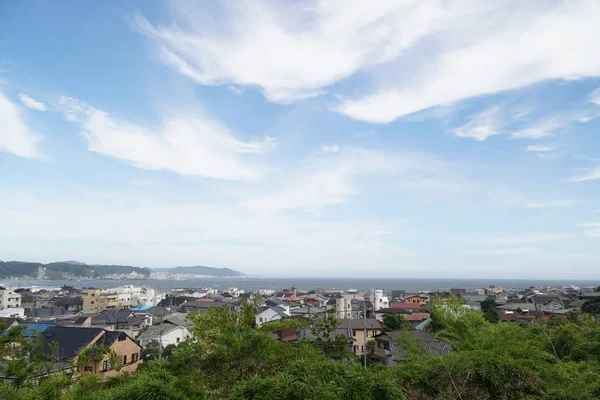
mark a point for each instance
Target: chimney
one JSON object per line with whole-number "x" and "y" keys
{"x": 294, "y": 292}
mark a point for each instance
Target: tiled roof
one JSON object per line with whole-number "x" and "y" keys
{"x": 405, "y": 306}
{"x": 372, "y": 323}
{"x": 417, "y": 316}
{"x": 422, "y": 340}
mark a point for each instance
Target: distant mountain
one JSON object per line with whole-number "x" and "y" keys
{"x": 18, "y": 269}
{"x": 200, "y": 270}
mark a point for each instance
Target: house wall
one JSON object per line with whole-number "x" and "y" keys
{"x": 9, "y": 299}
{"x": 381, "y": 343}
{"x": 359, "y": 336}
{"x": 416, "y": 300}
{"x": 123, "y": 348}
{"x": 267, "y": 315}
{"x": 175, "y": 337}
{"x": 90, "y": 300}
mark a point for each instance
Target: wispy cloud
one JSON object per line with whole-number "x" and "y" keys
{"x": 595, "y": 96}
{"x": 326, "y": 180}
{"x": 524, "y": 239}
{"x": 441, "y": 53}
{"x": 588, "y": 175}
{"x": 589, "y": 225}
{"x": 552, "y": 204}
{"x": 190, "y": 144}
{"x": 481, "y": 126}
{"x": 591, "y": 228}
{"x": 31, "y": 102}
{"x": 15, "y": 135}
{"x": 534, "y": 252}
{"x": 540, "y": 148}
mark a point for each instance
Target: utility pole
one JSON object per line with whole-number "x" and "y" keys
{"x": 160, "y": 339}
{"x": 365, "y": 333}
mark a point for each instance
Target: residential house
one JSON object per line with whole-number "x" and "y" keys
{"x": 395, "y": 347}
{"x": 7, "y": 323}
{"x": 416, "y": 318}
{"x": 516, "y": 317}
{"x": 9, "y": 299}
{"x": 420, "y": 299}
{"x": 70, "y": 303}
{"x": 165, "y": 333}
{"x": 357, "y": 326}
{"x": 99, "y": 299}
{"x": 65, "y": 344}
{"x": 305, "y": 333}
{"x": 47, "y": 314}
{"x": 406, "y": 306}
{"x": 120, "y": 320}
{"x": 270, "y": 314}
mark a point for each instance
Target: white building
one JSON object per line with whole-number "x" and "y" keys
{"x": 271, "y": 314}
{"x": 378, "y": 300}
{"x": 9, "y": 299}
{"x": 138, "y": 295}
{"x": 165, "y": 334}
{"x": 343, "y": 306}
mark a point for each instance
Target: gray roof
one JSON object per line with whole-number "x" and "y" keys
{"x": 423, "y": 340}
{"x": 153, "y": 332}
{"x": 372, "y": 323}
{"x": 474, "y": 298}
{"x": 280, "y": 311}
{"x": 274, "y": 301}
{"x": 305, "y": 333}
{"x": 177, "y": 321}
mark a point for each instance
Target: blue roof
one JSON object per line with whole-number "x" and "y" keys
{"x": 141, "y": 308}
{"x": 34, "y": 328}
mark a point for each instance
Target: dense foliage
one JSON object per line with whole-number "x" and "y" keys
{"x": 230, "y": 358}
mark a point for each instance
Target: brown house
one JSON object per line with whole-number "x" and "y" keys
{"x": 358, "y": 332}
{"x": 66, "y": 344}
{"x": 420, "y": 299}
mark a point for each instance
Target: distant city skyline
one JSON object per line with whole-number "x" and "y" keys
{"x": 313, "y": 138}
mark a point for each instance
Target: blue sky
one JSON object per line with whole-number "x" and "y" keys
{"x": 332, "y": 138}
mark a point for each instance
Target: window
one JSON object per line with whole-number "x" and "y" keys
{"x": 134, "y": 357}
{"x": 379, "y": 346}
{"x": 178, "y": 339}
{"x": 105, "y": 365}
{"x": 386, "y": 345}
{"x": 124, "y": 359}
{"x": 87, "y": 368}
{"x": 92, "y": 302}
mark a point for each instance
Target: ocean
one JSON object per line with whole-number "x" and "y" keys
{"x": 305, "y": 284}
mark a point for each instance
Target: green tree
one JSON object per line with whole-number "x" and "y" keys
{"x": 396, "y": 322}
{"x": 68, "y": 288}
{"x": 492, "y": 315}
{"x": 487, "y": 304}
{"x": 591, "y": 306}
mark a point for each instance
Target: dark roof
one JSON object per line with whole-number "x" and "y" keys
{"x": 80, "y": 320}
{"x": 70, "y": 340}
{"x": 69, "y": 301}
{"x": 275, "y": 302}
{"x": 390, "y": 310}
{"x": 177, "y": 321}
{"x": 305, "y": 333}
{"x": 7, "y": 322}
{"x": 175, "y": 301}
{"x": 372, "y": 323}
{"x": 157, "y": 311}
{"x": 46, "y": 312}
{"x": 423, "y": 341}
{"x": 113, "y": 316}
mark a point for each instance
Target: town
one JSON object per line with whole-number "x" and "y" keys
{"x": 139, "y": 323}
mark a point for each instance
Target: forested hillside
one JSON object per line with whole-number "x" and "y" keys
{"x": 18, "y": 269}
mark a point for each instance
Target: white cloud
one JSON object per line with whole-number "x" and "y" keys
{"x": 190, "y": 144}
{"x": 131, "y": 228}
{"x": 31, "y": 102}
{"x": 520, "y": 44}
{"x": 552, "y": 204}
{"x": 330, "y": 149}
{"x": 589, "y": 225}
{"x": 592, "y": 232}
{"x": 15, "y": 135}
{"x": 589, "y": 175}
{"x": 326, "y": 180}
{"x": 595, "y": 97}
{"x": 433, "y": 52}
{"x": 481, "y": 126}
{"x": 533, "y": 252}
{"x": 524, "y": 239}
{"x": 541, "y": 148}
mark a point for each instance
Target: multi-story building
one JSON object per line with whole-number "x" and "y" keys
{"x": 98, "y": 300}
{"x": 378, "y": 300}
{"x": 9, "y": 299}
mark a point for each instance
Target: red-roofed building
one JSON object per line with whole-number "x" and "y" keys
{"x": 417, "y": 317}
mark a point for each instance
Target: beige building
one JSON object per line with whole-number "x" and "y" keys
{"x": 71, "y": 343}
{"x": 97, "y": 300}
{"x": 358, "y": 332}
